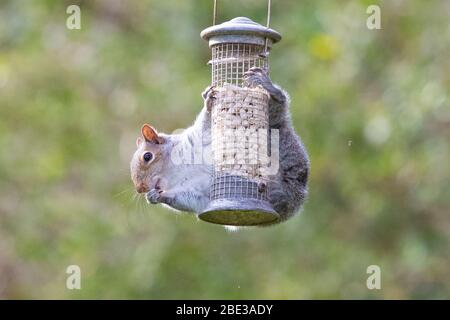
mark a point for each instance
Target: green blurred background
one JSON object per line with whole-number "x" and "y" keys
{"x": 372, "y": 107}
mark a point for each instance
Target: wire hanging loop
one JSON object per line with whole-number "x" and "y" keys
{"x": 215, "y": 12}
{"x": 269, "y": 4}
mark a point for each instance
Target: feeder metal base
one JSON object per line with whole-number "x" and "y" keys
{"x": 247, "y": 212}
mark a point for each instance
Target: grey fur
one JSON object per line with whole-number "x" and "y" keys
{"x": 188, "y": 189}
{"x": 289, "y": 188}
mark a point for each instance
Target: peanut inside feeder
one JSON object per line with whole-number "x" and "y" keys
{"x": 240, "y": 125}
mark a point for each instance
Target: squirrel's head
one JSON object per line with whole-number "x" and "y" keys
{"x": 148, "y": 160}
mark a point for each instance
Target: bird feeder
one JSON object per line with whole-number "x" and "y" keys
{"x": 240, "y": 124}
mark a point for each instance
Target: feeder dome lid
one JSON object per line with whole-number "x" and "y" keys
{"x": 240, "y": 30}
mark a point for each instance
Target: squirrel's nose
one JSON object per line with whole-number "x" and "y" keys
{"x": 142, "y": 188}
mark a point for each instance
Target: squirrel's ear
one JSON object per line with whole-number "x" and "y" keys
{"x": 138, "y": 141}
{"x": 150, "y": 134}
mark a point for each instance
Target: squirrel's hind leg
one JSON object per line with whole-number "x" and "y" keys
{"x": 279, "y": 99}
{"x": 257, "y": 76}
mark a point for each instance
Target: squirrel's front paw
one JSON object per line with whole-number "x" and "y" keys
{"x": 154, "y": 196}
{"x": 206, "y": 91}
{"x": 209, "y": 97}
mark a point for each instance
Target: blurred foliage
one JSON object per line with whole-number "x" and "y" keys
{"x": 372, "y": 108}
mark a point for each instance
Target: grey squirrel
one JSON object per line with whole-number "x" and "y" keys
{"x": 186, "y": 187}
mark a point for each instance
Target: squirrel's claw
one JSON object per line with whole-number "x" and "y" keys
{"x": 257, "y": 76}
{"x": 207, "y": 92}
{"x": 258, "y": 70}
{"x": 209, "y": 97}
{"x": 153, "y": 196}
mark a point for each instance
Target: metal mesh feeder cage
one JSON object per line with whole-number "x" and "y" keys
{"x": 240, "y": 125}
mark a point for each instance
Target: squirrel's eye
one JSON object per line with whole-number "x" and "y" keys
{"x": 147, "y": 156}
